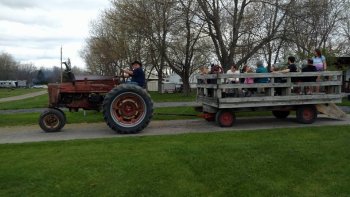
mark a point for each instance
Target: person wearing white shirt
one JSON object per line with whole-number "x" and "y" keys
{"x": 234, "y": 92}
{"x": 233, "y": 70}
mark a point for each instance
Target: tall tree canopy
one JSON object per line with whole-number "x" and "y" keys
{"x": 181, "y": 35}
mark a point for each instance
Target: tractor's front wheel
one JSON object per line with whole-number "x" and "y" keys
{"x": 127, "y": 109}
{"x": 52, "y": 120}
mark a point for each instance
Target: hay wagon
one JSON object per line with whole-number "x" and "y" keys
{"x": 283, "y": 93}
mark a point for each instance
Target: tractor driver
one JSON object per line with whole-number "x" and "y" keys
{"x": 137, "y": 74}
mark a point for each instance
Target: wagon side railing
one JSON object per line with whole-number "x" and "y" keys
{"x": 281, "y": 89}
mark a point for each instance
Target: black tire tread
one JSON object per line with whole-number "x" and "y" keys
{"x": 219, "y": 113}
{"x": 280, "y": 114}
{"x": 59, "y": 113}
{"x": 121, "y": 89}
{"x": 299, "y": 114}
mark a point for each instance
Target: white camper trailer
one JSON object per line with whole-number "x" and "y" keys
{"x": 8, "y": 84}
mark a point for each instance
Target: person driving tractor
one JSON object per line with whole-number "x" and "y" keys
{"x": 137, "y": 74}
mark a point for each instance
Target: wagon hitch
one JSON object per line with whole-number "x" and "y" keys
{"x": 207, "y": 115}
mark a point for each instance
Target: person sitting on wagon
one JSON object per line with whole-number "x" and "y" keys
{"x": 248, "y": 80}
{"x": 309, "y": 68}
{"x": 261, "y": 69}
{"x": 203, "y": 70}
{"x": 233, "y": 80}
{"x": 291, "y": 68}
{"x": 233, "y": 70}
{"x": 137, "y": 74}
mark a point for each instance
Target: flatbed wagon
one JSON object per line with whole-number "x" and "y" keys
{"x": 283, "y": 93}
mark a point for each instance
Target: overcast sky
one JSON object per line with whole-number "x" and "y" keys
{"x": 32, "y": 31}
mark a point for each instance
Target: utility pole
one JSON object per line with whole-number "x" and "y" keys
{"x": 61, "y": 65}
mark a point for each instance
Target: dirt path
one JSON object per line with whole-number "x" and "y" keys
{"x": 101, "y": 130}
{"x": 23, "y": 96}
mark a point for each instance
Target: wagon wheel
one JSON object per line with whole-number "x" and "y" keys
{"x": 225, "y": 118}
{"x": 210, "y": 117}
{"x": 280, "y": 114}
{"x": 52, "y": 120}
{"x": 306, "y": 114}
{"x": 127, "y": 109}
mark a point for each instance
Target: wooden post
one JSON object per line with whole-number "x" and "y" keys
{"x": 271, "y": 91}
{"x": 61, "y": 66}
{"x": 288, "y": 90}
{"x": 218, "y": 90}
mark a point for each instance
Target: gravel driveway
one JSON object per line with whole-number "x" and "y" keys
{"x": 101, "y": 130}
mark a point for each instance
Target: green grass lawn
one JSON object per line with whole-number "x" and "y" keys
{"x": 345, "y": 102}
{"x": 280, "y": 162}
{"x": 7, "y": 92}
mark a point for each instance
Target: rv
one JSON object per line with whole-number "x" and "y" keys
{"x": 8, "y": 84}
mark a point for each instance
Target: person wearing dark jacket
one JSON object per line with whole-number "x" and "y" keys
{"x": 291, "y": 68}
{"x": 309, "y": 68}
{"x": 137, "y": 74}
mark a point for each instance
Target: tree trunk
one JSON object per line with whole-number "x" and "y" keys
{"x": 186, "y": 89}
{"x": 186, "y": 82}
{"x": 160, "y": 76}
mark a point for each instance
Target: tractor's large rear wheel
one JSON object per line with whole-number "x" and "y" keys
{"x": 127, "y": 109}
{"x": 52, "y": 120}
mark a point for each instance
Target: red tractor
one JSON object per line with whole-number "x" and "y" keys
{"x": 126, "y": 108}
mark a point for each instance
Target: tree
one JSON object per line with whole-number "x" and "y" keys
{"x": 236, "y": 27}
{"x": 12, "y": 70}
{"x": 312, "y": 22}
{"x": 184, "y": 45}
{"x": 102, "y": 53}
{"x": 180, "y": 35}
{"x": 8, "y": 67}
{"x": 26, "y": 72}
{"x": 155, "y": 19}
{"x": 341, "y": 36}
{"x": 143, "y": 38}
{"x": 40, "y": 78}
